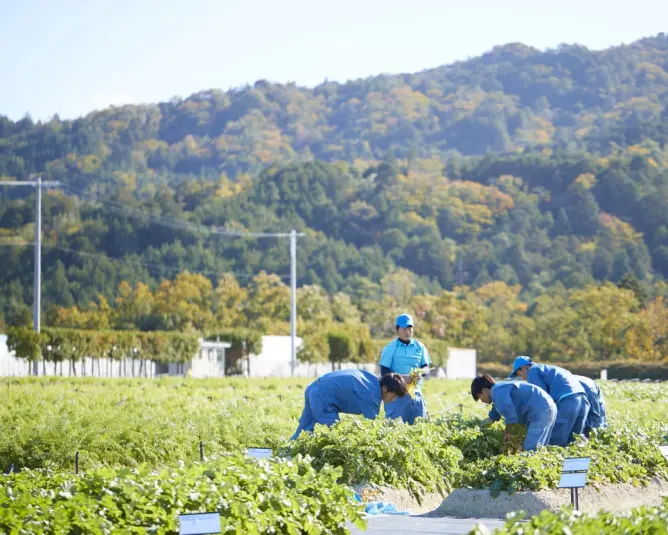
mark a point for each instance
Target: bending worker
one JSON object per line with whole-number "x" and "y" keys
{"x": 518, "y": 403}
{"x": 349, "y": 392}
{"x": 565, "y": 390}
{"x": 400, "y": 356}
{"x": 597, "y": 414}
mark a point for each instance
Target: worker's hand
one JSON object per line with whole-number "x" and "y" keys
{"x": 506, "y": 435}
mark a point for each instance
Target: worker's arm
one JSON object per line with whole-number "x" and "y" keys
{"x": 493, "y": 415}
{"x": 386, "y": 357}
{"x": 504, "y": 405}
{"x": 425, "y": 362}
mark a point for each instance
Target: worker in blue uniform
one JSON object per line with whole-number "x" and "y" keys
{"x": 518, "y": 403}
{"x": 348, "y": 392}
{"x": 401, "y": 355}
{"x": 597, "y": 414}
{"x": 565, "y": 390}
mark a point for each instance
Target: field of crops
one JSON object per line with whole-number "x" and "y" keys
{"x": 639, "y": 521}
{"x": 139, "y": 448}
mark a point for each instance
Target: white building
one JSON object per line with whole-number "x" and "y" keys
{"x": 274, "y": 361}
{"x": 461, "y": 364}
{"x": 208, "y": 362}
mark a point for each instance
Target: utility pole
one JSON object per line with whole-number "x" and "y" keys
{"x": 293, "y": 301}
{"x": 37, "y": 287}
{"x": 293, "y": 235}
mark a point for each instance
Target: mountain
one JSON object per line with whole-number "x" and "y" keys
{"x": 526, "y": 166}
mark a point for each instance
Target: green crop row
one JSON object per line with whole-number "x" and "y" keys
{"x": 391, "y": 453}
{"x": 640, "y": 521}
{"x": 458, "y": 452}
{"x": 252, "y": 497}
{"x": 126, "y": 423}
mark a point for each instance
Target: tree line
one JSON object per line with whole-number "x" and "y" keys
{"x": 604, "y": 322}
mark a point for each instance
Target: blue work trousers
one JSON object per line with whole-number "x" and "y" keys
{"x": 540, "y": 429}
{"x": 317, "y": 410}
{"x": 597, "y": 417}
{"x": 571, "y": 418}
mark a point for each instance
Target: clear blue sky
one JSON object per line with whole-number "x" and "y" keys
{"x": 72, "y": 56}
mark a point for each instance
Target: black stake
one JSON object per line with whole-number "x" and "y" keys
{"x": 201, "y": 451}
{"x": 76, "y": 463}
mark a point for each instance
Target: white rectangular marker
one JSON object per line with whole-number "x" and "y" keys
{"x": 573, "y": 480}
{"x": 260, "y": 453}
{"x": 576, "y": 464}
{"x": 199, "y": 524}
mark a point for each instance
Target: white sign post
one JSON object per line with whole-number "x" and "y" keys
{"x": 574, "y": 477}
{"x": 199, "y": 524}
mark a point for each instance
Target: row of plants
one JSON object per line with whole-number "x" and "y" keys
{"x": 455, "y": 451}
{"x": 390, "y": 453}
{"x": 129, "y": 422}
{"x": 639, "y": 521}
{"x": 253, "y": 497}
{"x": 44, "y": 421}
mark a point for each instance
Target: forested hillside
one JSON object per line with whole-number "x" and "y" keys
{"x": 508, "y": 99}
{"x": 538, "y": 169}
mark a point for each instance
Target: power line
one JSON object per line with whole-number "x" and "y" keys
{"x": 213, "y": 229}
{"x": 293, "y": 235}
{"x": 140, "y": 262}
{"x": 179, "y": 223}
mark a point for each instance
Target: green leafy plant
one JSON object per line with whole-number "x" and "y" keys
{"x": 617, "y": 455}
{"x": 252, "y": 497}
{"x": 639, "y": 521}
{"x": 127, "y": 423}
{"x": 384, "y": 452}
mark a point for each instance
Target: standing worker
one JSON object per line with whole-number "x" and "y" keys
{"x": 565, "y": 390}
{"x": 348, "y": 392}
{"x": 597, "y": 414}
{"x": 518, "y": 403}
{"x": 401, "y": 356}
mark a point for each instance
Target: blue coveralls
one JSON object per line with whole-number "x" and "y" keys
{"x": 526, "y": 404}
{"x": 341, "y": 391}
{"x": 569, "y": 396}
{"x": 401, "y": 358}
{"x": 597, "y": 414}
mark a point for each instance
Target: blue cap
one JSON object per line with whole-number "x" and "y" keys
{"x": 404, "y": 320}
{"x": 520, "y": 362}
